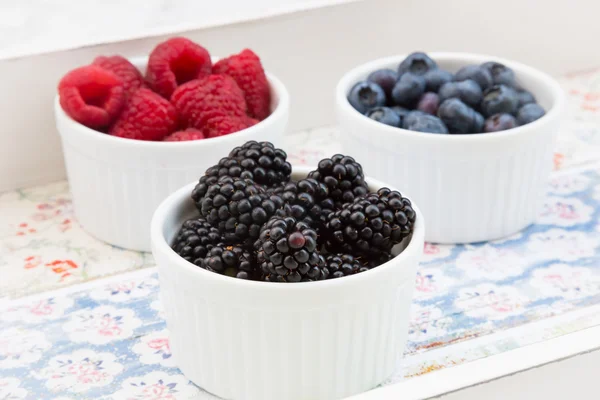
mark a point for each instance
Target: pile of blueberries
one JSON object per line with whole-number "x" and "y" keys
{"x": 419, "y": 96}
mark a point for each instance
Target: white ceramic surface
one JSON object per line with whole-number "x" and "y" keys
{"x": 117, "y": 183}
{"x": 272, "y": 341}
{"x": 470, "y": 188}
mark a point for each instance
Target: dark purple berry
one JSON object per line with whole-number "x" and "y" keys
{"x": 343, "y": 176}
{"x": 195, "y": 239}
{"x": 385, "y": 78}
{"x": 408, "y": 89}
{"x": 411, "y": 117}
{"x": 361, "y": 229}
{"x": 499, "y": 99}
{"x": 429, "y": 103}
{"x": 501, "y": 74}
{"x": 384, "y": 115}
{"x": 287, "y": 252}
{"x": 467, "y": 91}
{"x": 417, "y": 63}
{"x": 427, "y": 123}
{"x": 525, "y": 97}
{"x": 476, "y": 73}
{"x": 435, "y": 78}
{"x": 529, "y": 113}
{"x": 366, "y": 95}
{"x": 231, "y": 260}
{"x": 268, "y": 164}
{"x": 459, "y": 117}
{"x": 499, "y": 122}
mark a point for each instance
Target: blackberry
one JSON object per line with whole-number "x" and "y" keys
{"x": 371, "y": 225}
{"x": 230, "y": 260}
{"x": 227, "y": 167}
{"x": 340, "y": 265}
{"x": 237, "y": 208}
{"x": 195, "y": 239}
{"x": 378, "y": 260}
{"x": 344, "y": 178}
{"x": 267, "y": 164}
{"x": 287, "y": 252}
{"x": 306, "y": 200}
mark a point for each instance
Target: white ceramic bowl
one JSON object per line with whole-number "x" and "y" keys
{"x": 272, "y": 341}
{"x": 117, "y": 183}
{"x": 470, "y": 187}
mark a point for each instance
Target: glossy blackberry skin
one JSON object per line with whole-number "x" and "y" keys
{"x": 344, "y": 178}
{"x": 340, "y": 265}
{"x": 230, "y": 260}
{"x": 306, "y": 200}
{"x": 287, "y": 252}
{"x": 195, "y": 239}
{"x": 227, "y": 167}
{"x": 237, "y": 208}
{"x": 268, "y": 164}
{"x": 371, "y": 225}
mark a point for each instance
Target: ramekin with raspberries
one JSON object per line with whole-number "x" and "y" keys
{"x": 133, "y": 130}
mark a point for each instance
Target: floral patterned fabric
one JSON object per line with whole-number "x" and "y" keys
{"x": 107, "y": 338}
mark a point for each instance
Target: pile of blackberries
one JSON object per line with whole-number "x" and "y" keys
{"x": 419, "y": 96}
{"x": 256, "y": 223}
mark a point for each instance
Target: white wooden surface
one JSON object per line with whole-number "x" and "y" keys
{"x": 557, "y": 369}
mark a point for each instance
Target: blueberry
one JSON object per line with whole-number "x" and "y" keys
{"x": 427, "y": 123}
{"x": 499, "y": 99}
{"x": 386, "y": 78}
{"x": 409, "y": 118}
{"x": 499, "y": 122}
{"x": 401, "y": 111}
{"x": 459, "y": 117}
{"x": 478, "y": 122}
{"x": 417, "y": 63}
{"x": 501, "y": 74}
{"x": 408, "y": 89}
{"x": 525, "y": 97}
{"x": 529, "y": 113}
{"x": 468, "y": 91}
{"x": 435, "y": 78}
{"x": 366, "y": 95}
{"x": 477, "y": 73}
{"x": 429, "y": 103}
{"x": 384, "y": 115}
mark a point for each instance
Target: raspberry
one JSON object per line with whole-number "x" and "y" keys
{"x": 175, "y": 62}
{"x": 251, "y": 122}
{"x": 188, "y": 134}
{"x": 130, "y": 76}
{"x": 146, "y": 116}
{"x": 250, "y": 76}
{"x": 91, "y": 96}
{"x": 221, "y": 126}
{"x": 210, "y": 98}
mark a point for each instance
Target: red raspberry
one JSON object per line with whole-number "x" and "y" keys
{"x": 251, "y": 122}
{"x": 250, "y": 76}
{"x": 210, "y": 97}
{"x": 188, "y": 134}
{"x": 175, "y": 62}
{"x": 120, "y": 66}
{"x": 91, "y": 96}
{"x": 146, "y": 116}
{"x": 224, "y": 125}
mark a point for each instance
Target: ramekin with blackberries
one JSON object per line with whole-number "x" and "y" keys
{"x": 469, "y": 136}
{"x": 263, "y": 267}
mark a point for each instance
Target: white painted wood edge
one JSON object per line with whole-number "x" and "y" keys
{"x": 462, "y": 378}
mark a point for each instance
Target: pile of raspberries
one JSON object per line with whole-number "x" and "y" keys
{"x": 182, "y": 96}
{"x": 255, "y": 223}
